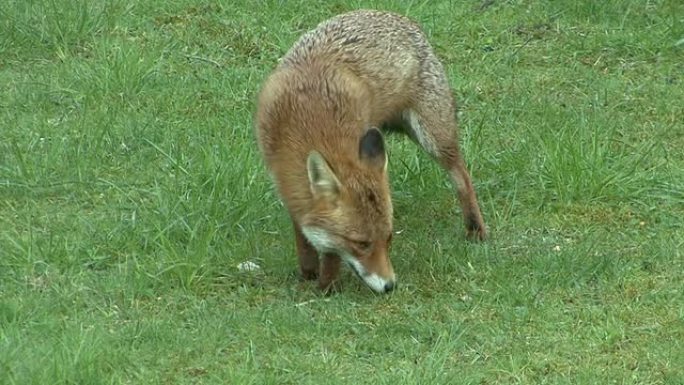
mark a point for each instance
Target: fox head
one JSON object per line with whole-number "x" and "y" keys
{"x": 352, "y": 211}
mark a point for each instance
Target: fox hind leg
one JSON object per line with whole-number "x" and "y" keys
{"x": 431, "y": 124}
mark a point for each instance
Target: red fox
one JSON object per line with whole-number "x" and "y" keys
{"x": 318, "y": 124}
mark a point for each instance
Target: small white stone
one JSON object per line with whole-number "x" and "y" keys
{"x": 248, "y": 266}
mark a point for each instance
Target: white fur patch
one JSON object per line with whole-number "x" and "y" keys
{"x": 319, "y": 239}
{"x": 425, "y": 140}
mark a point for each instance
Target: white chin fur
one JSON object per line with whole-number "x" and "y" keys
{"x": 374, "y": 281}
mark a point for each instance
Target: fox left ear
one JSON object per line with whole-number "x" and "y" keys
{"x": 322, "y": 179}
{"x": 372, "y": 148}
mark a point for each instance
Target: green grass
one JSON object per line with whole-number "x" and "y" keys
{"x": 130, "y": 189}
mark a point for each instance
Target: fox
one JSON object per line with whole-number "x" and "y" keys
{"x": 320, "y": 122}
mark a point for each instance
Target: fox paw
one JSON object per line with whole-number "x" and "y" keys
{"x": 330, "y": 288}
{"x": 476, "y": 234}
{"x": 308, "y": 275}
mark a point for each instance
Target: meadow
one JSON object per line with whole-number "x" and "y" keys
{"x": 131, "y": 188}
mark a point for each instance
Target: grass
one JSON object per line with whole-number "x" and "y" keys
{"x": 130, "y": 189}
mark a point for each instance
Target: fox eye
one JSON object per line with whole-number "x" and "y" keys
{"x": 359, "y": 244}
{"x": 365, "y": 245}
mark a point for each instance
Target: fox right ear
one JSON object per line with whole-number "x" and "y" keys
{"x": 322, "y": 179}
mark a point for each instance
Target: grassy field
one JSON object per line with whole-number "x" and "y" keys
{"x": 131, "y": 188}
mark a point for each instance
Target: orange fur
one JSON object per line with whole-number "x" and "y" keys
{"x": 314, "y": 125}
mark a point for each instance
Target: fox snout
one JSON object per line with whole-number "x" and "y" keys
{"x": 379, "y": 280}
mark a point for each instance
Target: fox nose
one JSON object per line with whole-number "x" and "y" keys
{"x": 389, "y": 286}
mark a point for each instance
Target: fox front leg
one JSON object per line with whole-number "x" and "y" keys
{"x": 329, "y": 272}
{"x": 307, "y": 255}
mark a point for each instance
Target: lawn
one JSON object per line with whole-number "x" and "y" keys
{"x": 131, "y": 188}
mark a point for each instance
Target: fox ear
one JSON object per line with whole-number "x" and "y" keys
{"x": 322, "y": 179}
{"x": 372, "y": 148}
